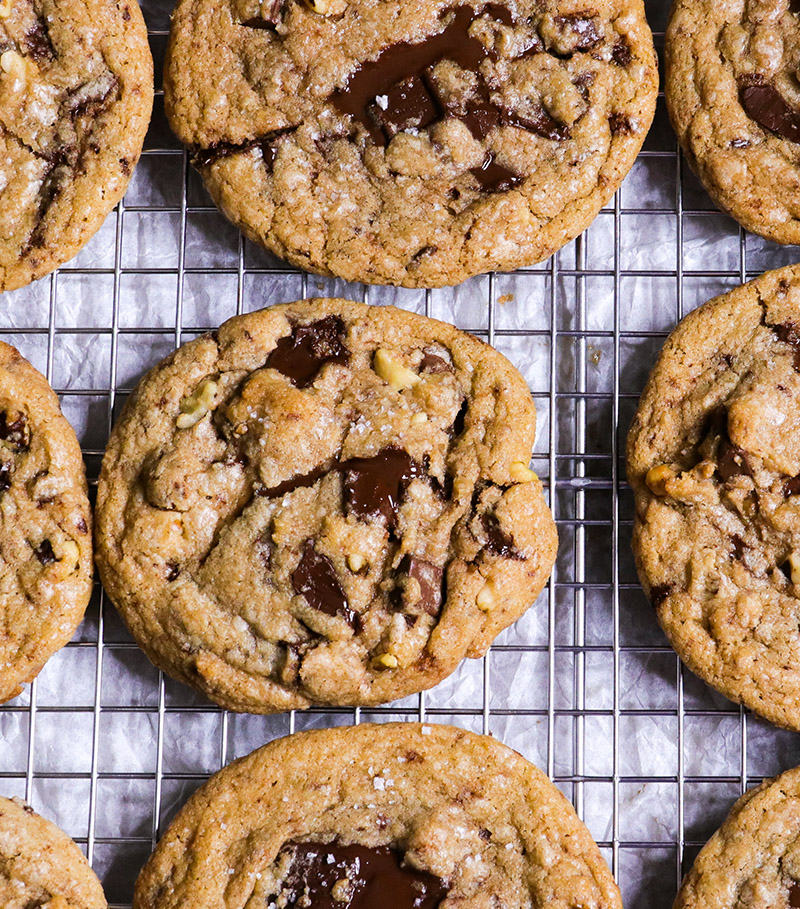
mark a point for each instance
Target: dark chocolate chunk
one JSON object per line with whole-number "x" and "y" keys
{"x": 765, "y": 104}
{"x": 583, "y": 83}
{"x": 791, "y": 486}
{"x": 44, "y": 552}
{"x": 315, "y": 578}
{"x": 621, "y": 51}
{"x": 269, "y": 16}
{"x": 789, "y": 333}
{"x": 14, "y": 430}
{"x": 37, "y": 42}
{"x": 731, "y": 461}
{"x": 377, "y": 879}
{"x": 173, "y": 571}
{"x": 584, "y": 29}
{"x": 620, "y": 125}
{"x": 300, "y": 356}
{"x": 480, "y": 116}
{"x": 5, "y": 477}
{"x": 540, "y": 122}
{"x": 794, "y": 889}
{"x": 374, "y": 487}
{"x": 81, "y": 525}
{"x": 738, "y": 546}
{"x": 429, "y": 578}
{"x": 202, "y": 157}
{"x": 93, "y": 97}
{"x": 434, "y": 363}
{"x": 406, "y": 105}
{"x": 498, "y": 542}
{"x": 300, "y": 481}
{"x": 494, "y": 177}
{"x": 659, "y": 593}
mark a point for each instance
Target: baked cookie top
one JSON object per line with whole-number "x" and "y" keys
{"x": 753, "y": 860}
{"x": 714, "y": 462}
{"x": 411, "y": 143}
{"x": 45, "y": 525}
{"x": 40, "y": 865}
{"x": 734, "y": 100}
{"x": 433, "y": 815}
{"x": 323, "y": 502}
{"x": 76, "y": 91}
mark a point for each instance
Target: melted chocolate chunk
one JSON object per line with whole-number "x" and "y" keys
{"x": 540, "y": 123}
{"x": 269, "y": 17}
{"x": 374, "y": 487}
{"x": 267, "y": 143}
{"x": 406, "y": 105}
{"x": 300, "y": 356}
{"x": 5, "y": 477}
{"x": 731, "y": 461}
{"x": 93, "y": 97}
{"x": 315, "y": 578}
{"x": 493, "y": 177}
{"x": 173, "y": 570}
{"x": 765, "y": 104}
{"x": 301, "y": 481}
{"x": 791, "y": 486}
{"x": 480, "y": 117}
{"x": 429, "y": 577}
{"x": 377, "y": 879}
{"x": 738, "y": 547}
{"x": 789, "y": 333}
{"x": 620, "y": 125}
{"x": 37, "y": 43}
{"x": 498, "y": 542}
{"x": 434, "y": 363}
{"x": 621, "y": 52}
{"x": 44, "y": 552}
{"x": 14, "y": 430}
{"x": 583, "y": 28}
{"x": 659, "y": 593}
{"x": 794, "y": 889}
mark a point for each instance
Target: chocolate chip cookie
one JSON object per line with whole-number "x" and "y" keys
{"x": 323, "y": 502}
{"x": 734, "y": 100}
{"x": 398, "y": 815}
{"x": 753, "y": 860}
{"x": 411, "y": 143}
{"x": 45, "y": 525}
{"x": 76, "y": 91}
{"x": 714, "y": 462}
{"x": 40, "y": 866}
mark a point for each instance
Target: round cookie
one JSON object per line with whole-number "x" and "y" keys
{"x": 415, "y": 144}
{"x": 753, "y": 860}
{"x": 76, "y": 92}
{"x": 432, "y": 815}
{"x": 734, "y": 101}
{"x": 45, "y": 525}
{"x": 40, "y": 865}
{"x": 714, "y": 462}
{"x": 323, "y": 502}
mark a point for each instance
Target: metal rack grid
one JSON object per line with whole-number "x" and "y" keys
{"x": 585, "y": 685}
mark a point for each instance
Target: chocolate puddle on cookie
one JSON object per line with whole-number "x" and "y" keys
{"x": 300, "y": 356}
{"x": 315, "y": 578}
{"x": 334, "y": 876}
{"x": 397, "y": 92}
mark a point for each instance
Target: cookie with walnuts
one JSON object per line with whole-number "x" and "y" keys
{"x": 398, "y": 814}
{"x": 415, "y": 144}
{"x": 76, "y": 91}
{"x": 753, "y": 860}
{"x": 323, "y": 502}
{"x": 45, "y": 526}
{"x": 734, "y": 101}
{"x": 40, "y": 865}
{"x": 714, "y": 462}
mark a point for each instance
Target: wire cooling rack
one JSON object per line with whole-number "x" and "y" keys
{"x": 584, "y": 685}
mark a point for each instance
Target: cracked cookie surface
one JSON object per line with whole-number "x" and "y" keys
{"x": 412, "y": 144}
{"x": 76, "y": 91}
{"x": 323, "y": 502}
{"x": 40, "y": 866}
{"x": 428, "y": 815}
{"x": 753, "y": 860}
{"x": 734, "y": 101}
{"x": 45, "y": 525}
{"x": 714, "y": 462}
